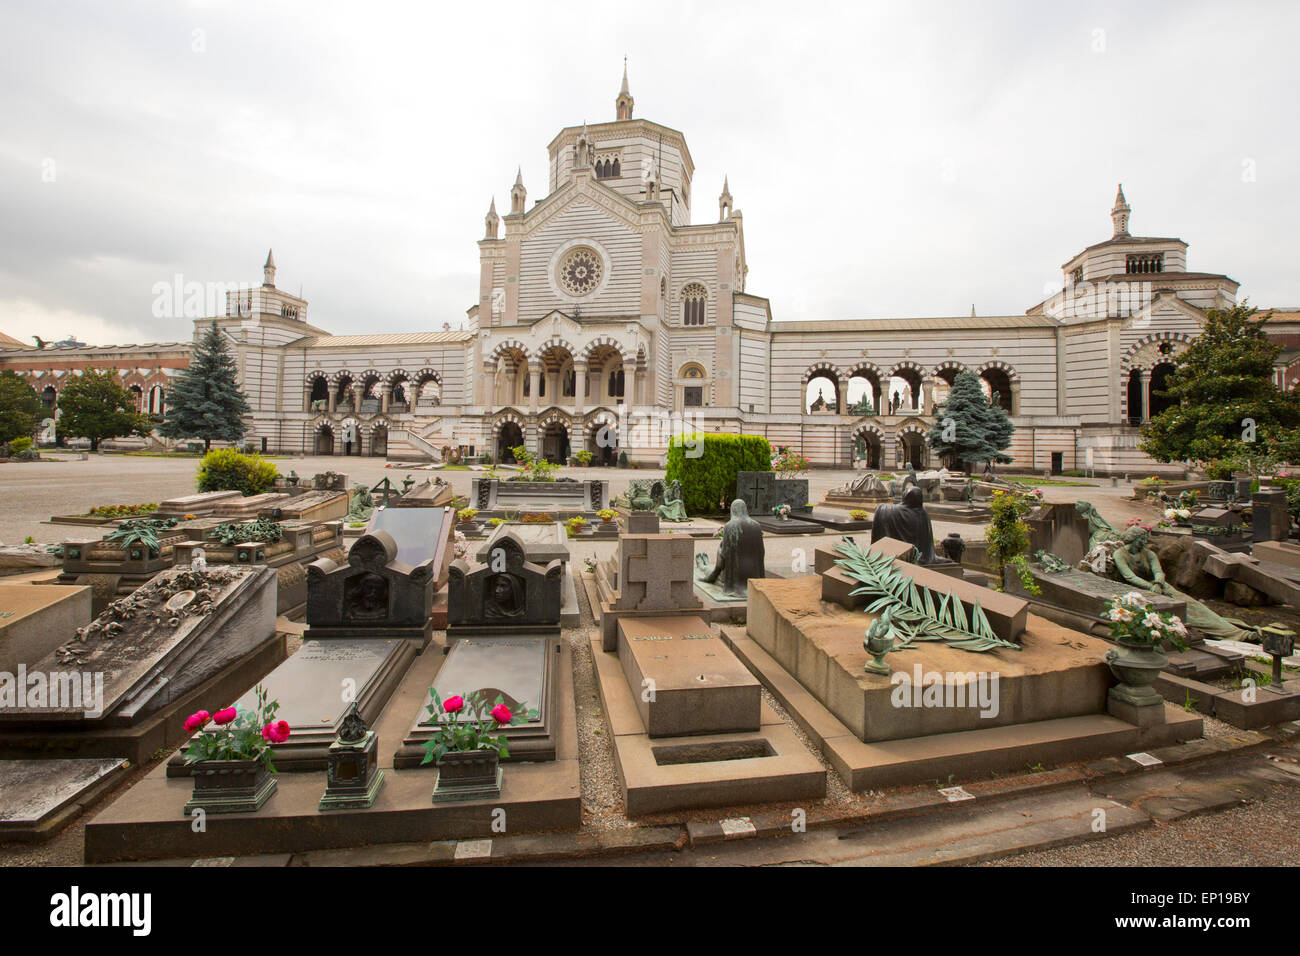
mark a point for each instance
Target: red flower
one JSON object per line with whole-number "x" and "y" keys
{"x": 223, "y": 717}
{"x": 197, "y": 720}
{"x": 501, "y": 714}
{"x": 453, "y": 705}
{"x": 277, "y": 731}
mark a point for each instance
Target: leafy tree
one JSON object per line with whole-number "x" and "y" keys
{"x": 20, "y": 407}
{"x": 1227, "y": 405}
{"x": 969, "y": 427}
{"x": 94, "y": 405}
{"x": 206, "y": 400}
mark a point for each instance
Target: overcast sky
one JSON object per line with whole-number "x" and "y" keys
{"x": 899, "y": 159}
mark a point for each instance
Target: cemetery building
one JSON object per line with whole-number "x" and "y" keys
{"x": 608, "y": 301}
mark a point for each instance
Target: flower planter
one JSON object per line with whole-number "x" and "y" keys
{"x": 1136, "y": 666}
{"x": 230, "y": 786}
{"x": 468, "y": 775}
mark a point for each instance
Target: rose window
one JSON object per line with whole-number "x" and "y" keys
{"x": 580, "y": 272}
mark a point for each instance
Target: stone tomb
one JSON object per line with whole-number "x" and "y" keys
{"x": 201, "y": 505}
{"x": 520, "y": 669}
{"x": 251, "y": 506}
{"x": 143, "y": 661}
{"x": 38, "y": 798}
{"x": 690, "y": 682}
{"x": 309, "y": 506}
{"x": 37, "y": 618}
{"x": 315, "y": 688}
{"x": 432, "y": 493}
{"x": 999, "y": 710}
{"x": 493, "y": 497}
{"x": 651, "y": 576}
{"x": 1269, "y": 518}
{"x": 1082, "y": 595}
{"x": 763, "y": 490}
{"x": 543, "y": 543}
{"x": 372, "y": 595}
{"x": 507, "y": 595}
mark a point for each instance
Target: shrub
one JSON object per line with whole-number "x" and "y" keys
{"x": 582, "y": 457}
{"x": 709, "y": 477}
{"x": 576, "y": 524}
{"x": 1008, "y": 535}
{"x": 227, "y": 470}
{"x": 20, "y": 445}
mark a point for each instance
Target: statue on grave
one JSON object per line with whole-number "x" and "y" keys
{"x": 740, "y": 553}
{"x": 910, "y": 478}
{"x": 673, "y": 509}
{"x": 906, "y": 522}
{"x": 1137, "y": 564}
{"x": 362, "y": 506}
{"x": 1103, "y": 539}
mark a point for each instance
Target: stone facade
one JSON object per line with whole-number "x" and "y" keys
{"x": 605, "y": 317}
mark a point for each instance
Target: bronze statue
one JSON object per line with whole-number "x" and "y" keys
{"x": 906, "y": 522}
{"x": 362, "y": 505}
{"x": 673, "y": 509}
{"x": 740, "y": 553}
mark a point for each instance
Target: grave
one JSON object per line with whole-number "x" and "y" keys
{"x": 309, "y": 506}
{"x": 136, "y": 671}
{"x": 329, "y": 481}
{"x": 38, "y": 798}
{"x": 1270, "y": 520}
{"x": 652, "y": 575}
{"x": 199, "y": 506}
{"x": 316, "y": 687}
{"x": 430, "y": 493}
{"x": 543, "y": 543}
{"x": 251, "y": 506}
{"x": 865, "y": 492}
{"x": 1045, "y": 702}
{"x": 36, "y": 618}
{"x": 302, "y": 543}
{"x": 763, "y": 490}
{"x": 493, "y": 497}
{"x": 507, "y": 595}
{"x": 774, "y": 525}
{"x": 838, "y": 522}
{"x": 111, "y": 570}
{"x": 374, "y": 594}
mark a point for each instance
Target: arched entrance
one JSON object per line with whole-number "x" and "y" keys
{"x": 351, "y": 437}
{"x": 912, "y": 449}
{"x": 868, "y": 449}
{"x": 1159, "y": 379}
{"x": 555, "y": 442}
{"x": 602, "y": 442}
{"x": 1135, "y": 397}
{"x": 510, "y": 436}
{"x": 325, "y": 440}
{"x": 379, "y": 441}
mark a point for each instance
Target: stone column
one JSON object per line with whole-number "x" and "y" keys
{"x": 1015, "y": 398}
{"x": 331, "y": 399}
{"x": 631, "y": 383}
{"x": 1144, "y": 383}
{"x": 385, "y": 396}
{"x": 579, "y": 386}
{"x": 927, "y": 396}
{"x": 534, "y": 377}
{"x": 842, "y": 393}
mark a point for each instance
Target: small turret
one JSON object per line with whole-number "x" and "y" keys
{"x": 724, "y": 201}
{"x": 491, "y": 221}
{"x": 623, "y": 105}
{"x": 518, "y": 193}
{"x": 268, "y": 270}
{"x": 1119, "y": 214}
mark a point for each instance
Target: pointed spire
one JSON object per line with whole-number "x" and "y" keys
{"x": 724, "y": 201}
{"x": 519, "y": 177}
{"x": 624, "y": 102}
{"x": 268, "y": 270}
{"x": 1119, "y": 213}
{"x": 518, "y": 194}
{"x": 270, "y": 259}
{"x": 491, "y": 221}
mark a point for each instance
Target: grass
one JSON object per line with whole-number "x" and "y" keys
{"x": 1049, "y": 481}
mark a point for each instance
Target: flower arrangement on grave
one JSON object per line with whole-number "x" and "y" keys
{"x": 496, "y": 522}
{"x": 1181, "y": 515}
{"x": 232, "y": 734}
{"x": 466, "y": 723}
{"x": 575, "y": 525}
{"x": 531, "y": 467}
{"x": 858, "y": 514}
{"x": 788, "y": 464}
{"x": 460, "y": 545}
{"x": 781, "y": 511}
{"x": 466, "y": 515}
{"x": 537, "y": 518}
{"x": 1133, "y": 622}
{"x": 607, "y": 515}
{"x": 123, "y": 511}
{"x": 141, "y": 531}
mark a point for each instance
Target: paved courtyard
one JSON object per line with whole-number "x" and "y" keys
{"x": 68, "y": 485}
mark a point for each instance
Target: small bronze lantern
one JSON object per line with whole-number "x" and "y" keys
{"x": 1278, "y": 644}
{"x": 352, "y": 774}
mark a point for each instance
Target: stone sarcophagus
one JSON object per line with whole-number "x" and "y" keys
{"x": 564, "y": 499}
{"x": 373, "y": 594}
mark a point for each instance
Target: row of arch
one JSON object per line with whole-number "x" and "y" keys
{"x": 907, "y": 389}
{"x": 372, "y": 392}
{"x": 556, "y": 435}
{"x": 603, "y": 373}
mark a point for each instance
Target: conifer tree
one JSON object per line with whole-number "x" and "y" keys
{"x": 970, "y": 428}
{"x": 1226, "y": 403}
{"x": 206, "y": 401}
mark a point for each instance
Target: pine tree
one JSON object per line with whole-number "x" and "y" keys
{"x": 206, "y": 400}
{"x": 1227, "y": 406}
{"x": 969, "y": 427}
{"x": 94, "y": 405}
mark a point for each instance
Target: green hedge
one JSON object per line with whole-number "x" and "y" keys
{"x": 709, "y": 479}
{"x": 227, "y": 470}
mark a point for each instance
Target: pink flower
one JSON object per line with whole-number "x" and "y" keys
{"x": 223, "y": 717}
{"x": 277, "y": 731}
{"x": 501, "y": 714}
{"x": 453, "y": 705}
{"x": 196, "y": 720}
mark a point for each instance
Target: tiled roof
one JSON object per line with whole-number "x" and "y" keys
{"x": 9, "y": 342}
{"x": 921, "y": 324}
{"x": 390, "y": 338}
